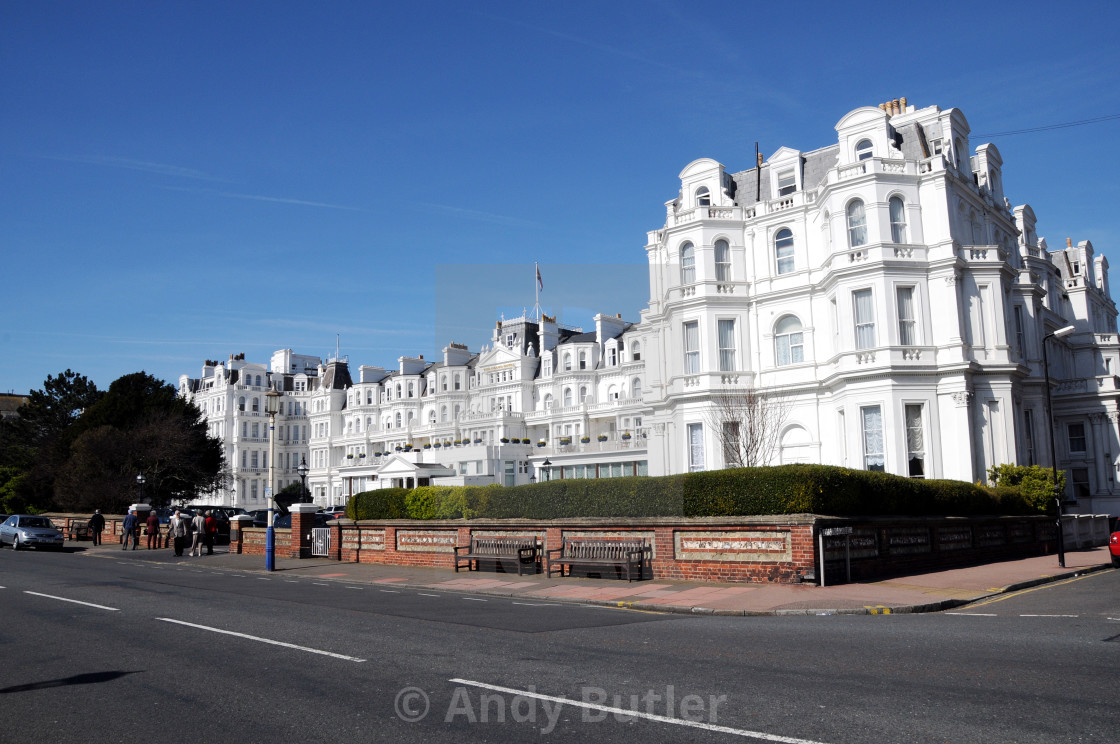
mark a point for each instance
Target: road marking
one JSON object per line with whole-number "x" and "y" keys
{"x": 878, "y": 610}
{"x": 390, "y": 591}
{"x": 422, "y": 594}
{"x": 319, "y": 583}
{"x": 472, "y": 599}
{"x": 291, "y": 581}
{"x": 355, "y": 587}
{"x": 1048, "y": 616}
{"x": 532, "y": 604}
{"x": 1036, "y": 588}
{"x": 75, "y": 601}
{"x": 974, "y": 614}
{"x": 263, "y": 578}
{"x": 638, "y": 714}
{"x": 262, "y": 640}
{"x": 237, "y": 576}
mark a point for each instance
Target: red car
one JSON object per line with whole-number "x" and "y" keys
{"x": 1114, "y": 548}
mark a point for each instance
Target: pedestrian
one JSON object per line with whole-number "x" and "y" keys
{"x": 177, "y": 532}
{"x": 211, "y": 532}
{"x": 96, "y": 525}
{"x": 153, "y": 530}
{"x": 129, "y": 531}
{"x": 198, "y": 529}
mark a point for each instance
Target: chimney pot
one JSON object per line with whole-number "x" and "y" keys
{"x": 902, "y": 102}
{"x": 1069, "y": 242}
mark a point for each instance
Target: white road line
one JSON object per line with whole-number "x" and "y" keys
{"x": 533, "y": 604}
{"x": 75, "y": 601}
{"x": 472, "y": 599}
{"x": 263, "y": 578}
{"x": 354, "y": 587}
{"x": 262, "y": 640}
{"x": 422, "y": 594}
{"x": 639, "y": 714}
{"x": 291, "y": 581}
{"x": 973, "y": 614}
{"x": 390, "y": 591}
{"x": 1048, "y": 616}
{"x": 319, "y": 583}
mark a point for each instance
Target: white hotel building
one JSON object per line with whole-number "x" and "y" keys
{"x": 883, "y": 286}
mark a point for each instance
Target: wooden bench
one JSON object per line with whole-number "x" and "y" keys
{"x": 78, "y": 532}
{"x": 525, "y": 550}
{"x": 628, "y": 555}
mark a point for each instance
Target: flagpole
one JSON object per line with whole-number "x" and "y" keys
{"x": 537, "y": 289}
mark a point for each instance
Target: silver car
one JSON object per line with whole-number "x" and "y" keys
{"x": 27, "y": 531}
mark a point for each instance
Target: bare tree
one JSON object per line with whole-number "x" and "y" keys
{"x": 747, "y": 424}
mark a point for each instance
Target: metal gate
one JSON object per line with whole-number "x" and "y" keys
{"x": 321, "y": 541}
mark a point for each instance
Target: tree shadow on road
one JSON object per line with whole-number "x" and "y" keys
{"x": 77, "y": 679}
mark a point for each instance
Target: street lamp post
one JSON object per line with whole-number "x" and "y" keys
{"x": 546, "y": 470}
{"x": 302, "y": 470}
{"x": 140, "y": 481}
{"x": 1060, "y": 333}
{"x": 272, "y": 407}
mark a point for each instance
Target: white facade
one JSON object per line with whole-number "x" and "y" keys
{"x": 231, "y": 398}
{"x": 882, "y": 285}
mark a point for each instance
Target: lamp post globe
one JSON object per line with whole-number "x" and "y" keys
{"x": 140, "y": 481}
{"x": 302, "y": 471}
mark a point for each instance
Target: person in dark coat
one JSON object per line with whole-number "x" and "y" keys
{"x": 96, "y": 525}
{"x": 153, "y": 530}
{"x": 130, "y": 530}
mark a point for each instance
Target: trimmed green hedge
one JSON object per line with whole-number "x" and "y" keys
{"x": 785, "y": 489}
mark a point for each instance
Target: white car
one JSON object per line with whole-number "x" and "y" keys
{"x": 29, "y": 531}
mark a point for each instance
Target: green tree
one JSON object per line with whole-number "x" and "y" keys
{"x": 138, "y": 426}
{"x": 37, "y": 441}
{"x": 1035, "y": 482}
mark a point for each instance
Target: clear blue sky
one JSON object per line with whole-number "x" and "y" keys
{"x": 183, "y": 181}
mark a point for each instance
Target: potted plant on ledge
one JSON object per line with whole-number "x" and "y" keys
{"x": 602, "y": 437}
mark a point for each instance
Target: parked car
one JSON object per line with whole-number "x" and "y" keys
{"x": 334, "y": 511}
{"x": 285, "y": 522}
{"x": 1114, "y": 548}
{"x": 29, "y": 531}
{"x": 260, "y": 516}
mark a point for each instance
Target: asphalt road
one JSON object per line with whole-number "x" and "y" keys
{"x": 169, "y": 653}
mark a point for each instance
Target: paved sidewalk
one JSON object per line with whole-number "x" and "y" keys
{"x": 926, "y": 592}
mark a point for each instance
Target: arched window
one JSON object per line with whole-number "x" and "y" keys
{"x": 783, "y": 250}
{"x": 703, "y": 199}
{"x": 788, "y": 344}
{"x": 898, "y": 219}
{"x": 582, "y": 393}
{"x": 857, "y": 224}
{"x": 256, "y": 404}
{"x": 443, "y": 413}
{"x": 241, "y": 403}
{"x": 864, "y": 150}
{"x": 688, "y": 264}
{"x": 399, "y": 390}
{"x": 548, "y": 400}
{"x": 431, "y": 417}
{"x": 399, "y": 421}
{"x": 567, "y": 397}
{"x": 612, "y": 392}
{"x": 583, "y": 360}
{"x": 723, "y": 261}
{"x": 636, "y": 388}
{"x": 635, "y": 352}
{"x": 411, "y": 389}
{"x": 567, "y": 361}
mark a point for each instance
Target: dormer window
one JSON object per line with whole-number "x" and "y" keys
{"x": 864, "y": 149}
{"x": 703, "y": 199}
{"x": 787, "y": 182}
